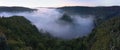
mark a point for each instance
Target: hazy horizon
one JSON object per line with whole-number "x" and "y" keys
{"x": 58, "y": 3}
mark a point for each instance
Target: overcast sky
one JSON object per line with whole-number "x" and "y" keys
{"x": 58, "y": 3}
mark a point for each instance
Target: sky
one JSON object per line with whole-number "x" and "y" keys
{"x": 59, "y": 3}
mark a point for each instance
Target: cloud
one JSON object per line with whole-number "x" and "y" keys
{"x": 49, "y": 20}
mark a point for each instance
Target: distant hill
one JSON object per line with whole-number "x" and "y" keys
{"x": 101, "y": 13}
{"x": 90, "y": 10}
{"x": 15, "y": 9}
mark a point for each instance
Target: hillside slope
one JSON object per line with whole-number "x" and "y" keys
{"x": 17, "y": 32}
{"x": 106, "y": 36}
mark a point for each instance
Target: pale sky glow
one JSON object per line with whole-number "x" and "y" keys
{"x": 58, "y": 3}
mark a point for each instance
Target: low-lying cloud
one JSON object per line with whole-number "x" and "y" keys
{"x": 48, "y": 20}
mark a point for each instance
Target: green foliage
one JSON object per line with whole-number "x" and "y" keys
{"x": 107, "y": 35}
{"x": 17, "y": 33}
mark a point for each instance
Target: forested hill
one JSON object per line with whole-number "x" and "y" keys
{"x": 106, "y": 36}
{"x": 91, "y": 10}
{"x": 16, "y": 33}
{"x": 101, "y": 13}
{"x": 15, "y": 9}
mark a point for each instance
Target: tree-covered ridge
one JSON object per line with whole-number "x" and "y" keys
{"x": 15, "y": 9}
{"x": 106, "y": 36}
{"x": 18, "y": 32}
{"x": 101, "y": 13}
{"x": 100, "y": 10}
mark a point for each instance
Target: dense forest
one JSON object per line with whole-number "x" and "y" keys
{"x": 106, "y": 36}
{"x": 17, "y": 33}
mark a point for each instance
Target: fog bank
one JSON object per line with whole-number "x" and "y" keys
{"x": 48, "y": 20}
